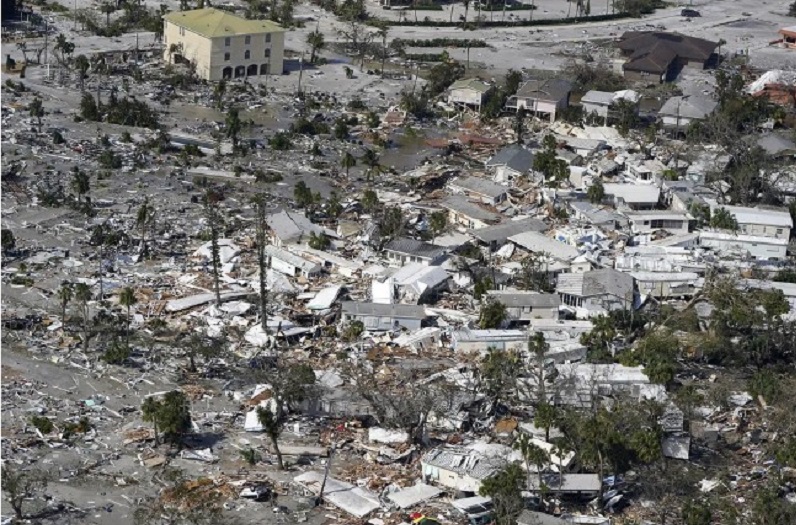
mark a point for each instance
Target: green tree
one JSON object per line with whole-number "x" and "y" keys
{"x": 317, "y": 42}
{"x": 438, "y": 223}
{"x": 83, "y": 296}
{"x": 233, "y": 126}
{"x": 596, "y": 192}
{"x": 82, "y": 64}
{"x": 493, "y": 313}
{"x": 658, "y": 352}
{"x": 149, "y": 414}
{"x": 318, "y": 241}
{"x": 303, "y": 195}
{"x": 144, "y": 219}
{"x": 391, "y": 224}
{"x": 531, "y": 454}
{"x": 81, "y": 184}
{"x": 696, "y": 513}
{"x": 723, "y": 219}
{"x": 370, "y": 201}
{"x": 505, "y": 488}
{"x": 341, "y": 129}
{"x": 545, "y": 416}
{"x": 333, "y": 205}
{"x": 519, "y": 124}
{"x": 498, "y": 373}
{"x": 65, "y": 294}
{"x": 261, "y": 203}
{"x": 290, "y": 383}
{"x": 89, "y": 110}
{"x": 347, "y": 162}
{"x": 63, "y": 49}
{"x": 172, "y": 415}
{"x": 601, "y": 336}
{"x": 9, "y": 242}
{"x": 127, "y": 299}
{"x": 203, "y": 346}
{"x": 214, "y": 224}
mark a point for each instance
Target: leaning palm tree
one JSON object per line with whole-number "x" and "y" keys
{"x": 144, "y": 219}
{"x": 65, "y": 294}
{"x": 149, "y": 413}
{"x": 347, "y": 162}
{"x": 127, "y": 299}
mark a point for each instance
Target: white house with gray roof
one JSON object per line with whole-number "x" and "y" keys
{"x": 403, "y": 251}
{"x": 511, "y": 162}
{"x": 459, "y": 468}
{"x": 290, "y": 264}
{"x": 497, "y": 235}
{"x": 384, "y": 317}
{"x": 526, "y": 306}
{"x": 681, "y": 112}
{"x": 597, "y": 291}
{"x": 287, "y": 227}
{"x": 762, "y": 222}
{"x": 469, "y": 92}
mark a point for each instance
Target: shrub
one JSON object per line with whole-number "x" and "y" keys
{"x": 42, "y": 424}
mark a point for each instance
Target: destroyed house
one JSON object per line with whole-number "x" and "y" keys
{"x": 597, "y": 291}
{"x": 666, "y": 285}
{"x": 403, "y": 251}
{"x": 287, "y": 227}
{"x": 459, "y": 468}
{"x": 511, "y": 162}
{"x": 498, "y": 235}
{"x": 384, "y": 317}
{"x": 467, "y": 340}
{"x": 587, "y": 485}
{"x": 290, "y": 264}
{"x": 467, "y": 213}
{"x": 484, "y": 190}
{"x": 658, "y": 56}
{"x": 526, "y": 306}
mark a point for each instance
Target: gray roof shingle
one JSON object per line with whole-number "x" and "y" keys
{"x": 415, "y": 248}
{"x": 515, "y": 157}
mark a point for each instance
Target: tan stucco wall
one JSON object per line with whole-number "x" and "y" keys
{"x": 208, "y": 54}
{"x": 195, "y": 48}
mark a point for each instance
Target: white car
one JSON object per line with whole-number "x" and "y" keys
{"x": 257, "y": 493}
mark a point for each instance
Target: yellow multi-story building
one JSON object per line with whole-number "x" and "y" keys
{"x": 223, "y": 45}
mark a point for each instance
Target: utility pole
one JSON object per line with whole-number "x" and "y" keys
{"x": 301, "y": 72}
{"x": 325, "y": 475}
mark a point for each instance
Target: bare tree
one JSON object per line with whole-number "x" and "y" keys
{"x": 260, "y": 205}
{"x": 214, "y": 219}
{"x": 21, "y": 485}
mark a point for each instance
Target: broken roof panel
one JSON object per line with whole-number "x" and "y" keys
{"x": 479, "y": 185}
{"x": 415, "y": 248}
{"x": 501, "y": 232}
{"x": 411, "y": 496}
{"x": 408, "y": 311}
{"x": 357, "y": 501}
{"x": 537, "y": 243}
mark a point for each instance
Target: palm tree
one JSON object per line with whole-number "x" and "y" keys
{"x": 532, "y": 455}
{"x": 107, "y": 9}
{"x": 371, "y": 160}
{"x": 149, "y": 413}
{"x": 82, "y": 64}
{"x": 83, "y": 296}
{"x": 347, "y": 162}
{"x": 127, "y": 299}
{"x": 144, "y": 219}
{"x": 80, "y": 183}
{"x": 466, "y": 10}
{"x": 316, "y": 42}
{"x": 65, "y": 294}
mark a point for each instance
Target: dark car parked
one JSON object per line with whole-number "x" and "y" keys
{"x": 690, "y": 13}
